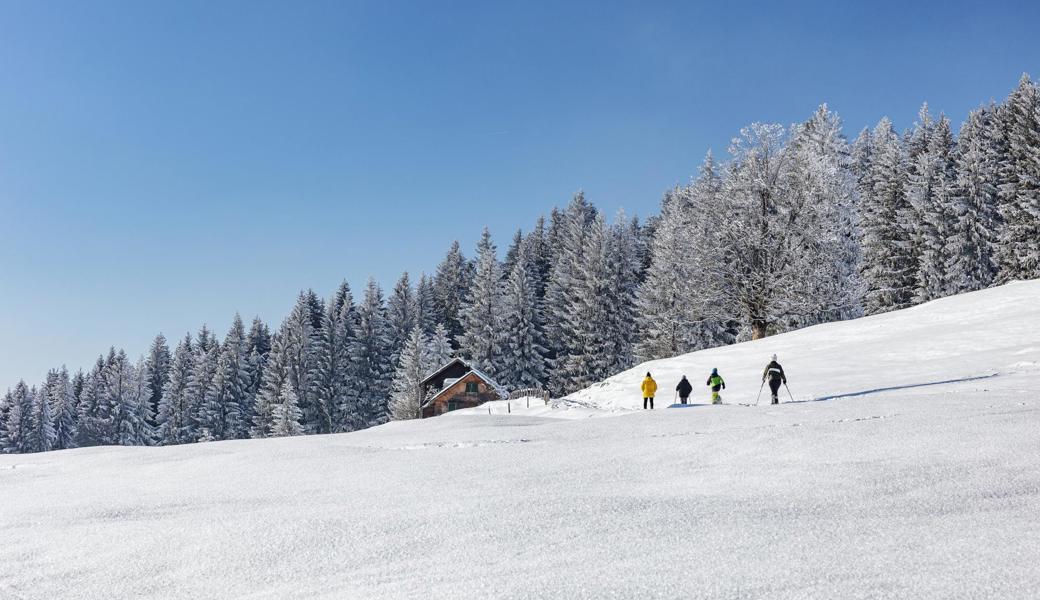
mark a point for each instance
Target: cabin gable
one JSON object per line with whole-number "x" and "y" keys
{"x": 467, "y": 391}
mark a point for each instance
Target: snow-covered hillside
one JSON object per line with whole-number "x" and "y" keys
{"x": 971, "y": 336}
{"x": 921, "y": 491}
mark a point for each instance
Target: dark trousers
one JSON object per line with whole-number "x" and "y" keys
{"x": 683, "y": 399}
{"x": 774, "y": 386}
{"x": 651, "y": 399}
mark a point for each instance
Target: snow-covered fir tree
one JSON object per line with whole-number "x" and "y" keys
{"x": 450, "y": 284}
{"x": 930, "y": 191}
{"x": 511, "y": 253}
{"x": 222, "y": 416}
{"x": 41, "y": 436}
{"x": 333, "y": 374}
{"x": 276, "y": 379}
{"x": 970, "y": 246}
{"x": 128, "y": 404}
{"x": 6, "y": 401}
{"x": 316, "y": 308}
{"x": 564, "y": 291}
{"x": 624, "y": 260}
{"x": 237, "y": 377}
{"x": 91, "y": 408}
{"x": 406, "y": 395}
{"x": 860, "y": 159}
{"x": 889, "y": 266}
{"x": 300, "y": 340}
{"x": 400, "y": 314}
{"x": 63, "y": 407}
{"x": 425, "y": 304}
{"x": 1018, "y": 255}
{"x": 587, "y": 357}
{"x": 203, "y": 372}
{"x": 541, "y": 257}
{"x": 523, "y": 363}
{"x": 203, "y": 368}
{"x": 482, "y": 312}
{"x": 142, "y": 391}
{"x": 668, "y": 315}
{"x": 370, "y": 355}
{"x": 286, "y": 413}
{"x": 917, "y": 187}
{"x": 438, "y": 349}
{"x": 17, "y": 430}
{"x": 175, "y": 419}
{"x": 157, "y": 371}
{"x": 258, "y": 346}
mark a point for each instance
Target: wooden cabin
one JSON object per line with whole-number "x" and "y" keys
{"x": 458, "y": 385}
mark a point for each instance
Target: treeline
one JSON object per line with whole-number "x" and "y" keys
{"x": 796, "y": 227}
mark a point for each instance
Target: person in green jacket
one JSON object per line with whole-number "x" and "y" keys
{"x": 716, "y": 382}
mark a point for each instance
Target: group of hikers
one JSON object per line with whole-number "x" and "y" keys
{"x": 773, "y": 373}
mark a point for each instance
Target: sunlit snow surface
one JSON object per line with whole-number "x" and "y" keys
{"x": 918, "y": 492}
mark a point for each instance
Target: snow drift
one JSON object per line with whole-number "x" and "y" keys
{"x": 928, "y": 489}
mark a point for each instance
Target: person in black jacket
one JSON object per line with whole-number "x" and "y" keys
{"x": 775, "y": 373}
{"x": 684, "y": 388}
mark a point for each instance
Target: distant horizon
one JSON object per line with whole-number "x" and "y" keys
{"x": 162, "y": 167}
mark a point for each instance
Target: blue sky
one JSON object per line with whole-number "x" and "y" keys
{"x": 164, "y": 164}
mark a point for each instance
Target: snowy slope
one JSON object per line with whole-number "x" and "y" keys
{"x": 976, "y": 335}
{"x": 920, "y": 492}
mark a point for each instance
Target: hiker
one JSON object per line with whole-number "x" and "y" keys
{"x": 775, "y": 373}
{"x": 684, "y": 388}
{"x": 716, "y": 382}
{"x": 649, "y": 389}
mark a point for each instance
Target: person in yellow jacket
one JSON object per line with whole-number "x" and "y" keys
{"x": 649, "y": 389}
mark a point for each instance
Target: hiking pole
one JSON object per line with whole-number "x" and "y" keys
{"x": 789, "y": 392}
{"x": 676, "y": 399}
{"x": 760, "y": 392}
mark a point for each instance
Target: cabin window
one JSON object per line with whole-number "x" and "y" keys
{"x": 452, "y": 405}
{"x": 471, "y": 387}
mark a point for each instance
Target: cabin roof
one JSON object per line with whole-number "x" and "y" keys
{"x": 429, "y": 378}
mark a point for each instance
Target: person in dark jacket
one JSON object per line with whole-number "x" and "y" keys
{"x": 684, "y": 388}
{"x": 775, "y": 374}
{"x": 716, "y": 382}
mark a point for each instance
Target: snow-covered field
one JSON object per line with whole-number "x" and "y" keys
{"x": 927, "y": 489}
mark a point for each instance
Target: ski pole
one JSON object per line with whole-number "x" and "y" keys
{"x": 676, "y": 399}
{"x": 760, "y": 392}
{"x": 789, "y": 392}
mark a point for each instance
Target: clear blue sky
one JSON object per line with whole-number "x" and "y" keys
{"x": 164, "y": 164}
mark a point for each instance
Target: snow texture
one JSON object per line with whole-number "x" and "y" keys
{"x": 922, "y": 490}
